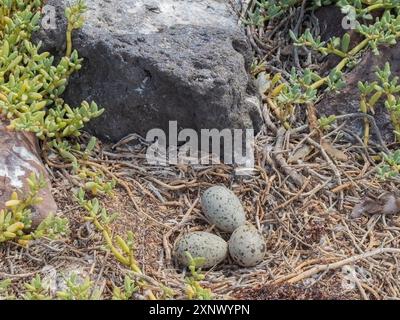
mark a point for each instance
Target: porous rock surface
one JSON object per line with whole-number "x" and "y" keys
{"x": 150, "y": 62}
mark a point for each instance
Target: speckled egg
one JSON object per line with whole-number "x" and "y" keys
{"x": 201, "y": 244}
{"x": 223, "y": 208}
{"x": 247, "y": 246}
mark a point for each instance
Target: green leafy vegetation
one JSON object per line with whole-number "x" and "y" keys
{"x": 302, "y": 85}
{"x": 74, "y": 15}
{"x": 78, "y": 289}
{"x": 31, "y": 85}
{"x": 30, "y": 97}
{"x": 386, "y": 88}
{"x": 5, "y": 290}
{"x": 96, "y": 182}
{"x": 266, "y": 10}
{"x": 194, "y": 290}
{"x": 35, "y": 290}
{"x": 325, "y": 123}
{"x": 377, "y": 23}
{"x": 122, "y": 249}
{"x": 16, "y": 219}
{"x": 127, "y": 291}
{"x": 391, "y": 166}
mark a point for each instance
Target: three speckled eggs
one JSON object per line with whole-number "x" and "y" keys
{"x": 223, "y": 209}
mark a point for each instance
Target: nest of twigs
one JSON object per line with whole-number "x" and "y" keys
{"x": 314, "y": 249}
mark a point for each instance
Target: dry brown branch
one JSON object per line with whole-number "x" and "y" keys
{"x": 341, "y": 263}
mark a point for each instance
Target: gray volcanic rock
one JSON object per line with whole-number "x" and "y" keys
{"x": 150, "y": 62}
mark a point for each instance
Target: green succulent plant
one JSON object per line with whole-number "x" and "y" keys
{"x": 79, "y": 289}
{"x": 325, "y": 123}
{"x": 391, "y": 166}
{"x": 384, "y": 31}
{"x": 16, "y": 219}
{"x": 122, "y": 249}
{"x": 266, "y": 10}
{"x": 194, "y": 290}
{"x": 75, "y": 18}
{"x": 127, "y": 291}
{"x": 36, "y": 290}
{"x": 387, "y": 88}
{"x": 30, "y": 85}
{"x": 5, "y": 293}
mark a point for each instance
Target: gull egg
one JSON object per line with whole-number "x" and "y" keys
{"x": 223, "y": 208}
{"x": 247, "y": 246}
{"x": 209, "y": 246}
